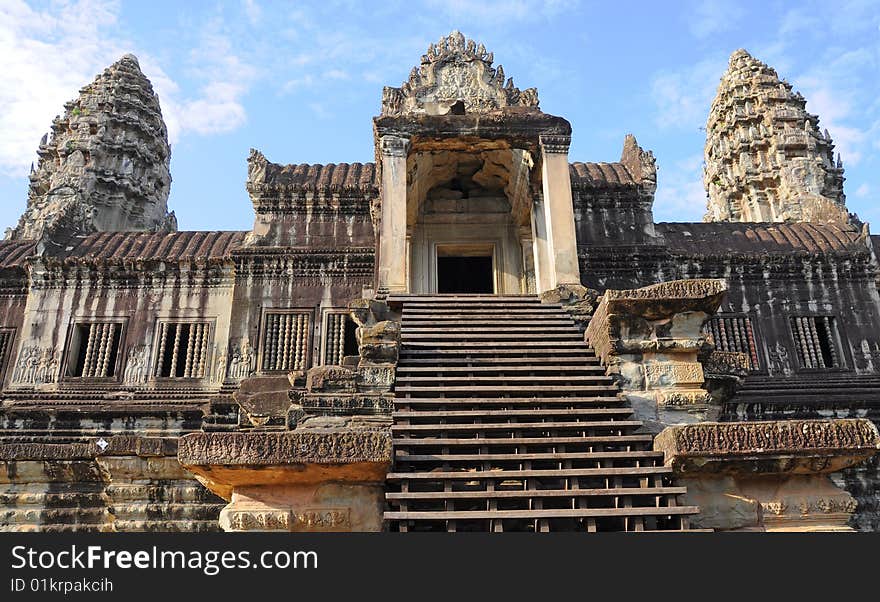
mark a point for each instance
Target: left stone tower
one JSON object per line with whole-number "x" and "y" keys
{"x": 105, "y": 164}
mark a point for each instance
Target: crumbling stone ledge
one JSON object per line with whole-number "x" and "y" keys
{"x": 305, "y": 480}
{"x": 258, "y": 448}
{"x": 768, "y": 476}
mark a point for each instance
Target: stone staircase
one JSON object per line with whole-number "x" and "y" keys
{"x": 505, "y": 421}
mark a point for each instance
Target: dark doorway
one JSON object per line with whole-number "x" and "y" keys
{"x": 465, "y": 275}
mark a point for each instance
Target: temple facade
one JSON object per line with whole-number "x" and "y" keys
{"x": 473, "y": 332}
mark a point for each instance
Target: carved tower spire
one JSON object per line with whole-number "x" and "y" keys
{"x": 765, "y": 158}
{"x": 105, "y": 164}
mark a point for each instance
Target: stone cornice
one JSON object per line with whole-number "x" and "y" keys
{"x": 768, "y": 447}
{"x": 284, "y": 448}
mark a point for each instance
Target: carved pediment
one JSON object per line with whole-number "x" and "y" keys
{"x": 456, "y": 69}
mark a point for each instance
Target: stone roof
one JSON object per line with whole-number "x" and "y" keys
{"x": 14, "y": 252}
{"x": 339, "y": 177}
{"x": 718, "y": 238}
{"x": 139, "y": 246}
{"x": 601, "y": 175}
{"x": 333, "y": 177}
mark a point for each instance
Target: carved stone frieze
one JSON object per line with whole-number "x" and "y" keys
{"x": 282, "y": 448}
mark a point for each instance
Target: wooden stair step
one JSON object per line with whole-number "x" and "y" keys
{"x": 424, "y": 414}
{"x": 563, "y": 473}
{"x": 508, "y": 441}
{"x": 453, "y": 402}
{"x": 485, "y": 378}
{"x": 501, "y": 368}
{"x": 584, "y": 456}
{"x": 534, "y": 493}
{"x": 517, "y": 345}
{"x": 489, "y": 329}
{"x": 506, "y": 388}
{"x": 536, "y": 362}
{"x": 490, "y": 336}
{"x": 552, "y": 513}
{"x": 512, "y": 317}
{"x": 517, "y": 426}
{"x": 436, "y": 322}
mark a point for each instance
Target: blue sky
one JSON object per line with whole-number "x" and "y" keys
{"x": 302, "y": 80}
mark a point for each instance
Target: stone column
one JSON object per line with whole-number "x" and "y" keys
{"x": 392, "y": 235}
{"x": 541, "y": 246}
{"x": 559, "y": 212}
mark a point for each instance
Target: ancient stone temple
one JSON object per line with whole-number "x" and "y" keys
{"x": 473, "y": 333}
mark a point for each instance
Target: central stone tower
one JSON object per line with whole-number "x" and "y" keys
{"x": 765, "y": 158}
{"x": 105, "y": 165}
{"x": 475, "y": 191}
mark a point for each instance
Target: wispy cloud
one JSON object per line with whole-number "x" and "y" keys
{"x": 253, "y": 11}
{"x": 49, "y": 54}
{"x": 680, "y": 194}
{"x": 488, "y": 12}
{"x": 710, "y": 17}
{"x": 683, "y": 96}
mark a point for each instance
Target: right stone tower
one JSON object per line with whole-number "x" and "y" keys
{"x": 765, "y": 157}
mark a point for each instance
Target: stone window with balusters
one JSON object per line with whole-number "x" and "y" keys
{"x": 816, "y": 342}
{"x": 93, "y": 349}
{"x": 285, "y": 340}
{"x": 182, "y": 349}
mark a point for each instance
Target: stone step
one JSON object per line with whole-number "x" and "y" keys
{"x": 563, "y": 473}
{"x": 538, "y": 514}
{"x": 517, "y": 426}
{"x": 535, "y": 493}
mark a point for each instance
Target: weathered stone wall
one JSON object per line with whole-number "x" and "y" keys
{"x": 132, "y": 485}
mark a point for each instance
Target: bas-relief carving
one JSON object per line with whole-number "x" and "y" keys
{"x": 137, "y": 368}
{"x": 673, "y": 373}
{"x": 300, "y": 520}
{"x": 36, "y": 366}
{"x": 242, "y": 360}
{"x": 290, "y": 447}
{"x": 780, "y": 362}
{"x": 775, "y": 436}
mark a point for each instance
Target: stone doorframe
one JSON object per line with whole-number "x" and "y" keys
{"x": 552, "y": 216}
